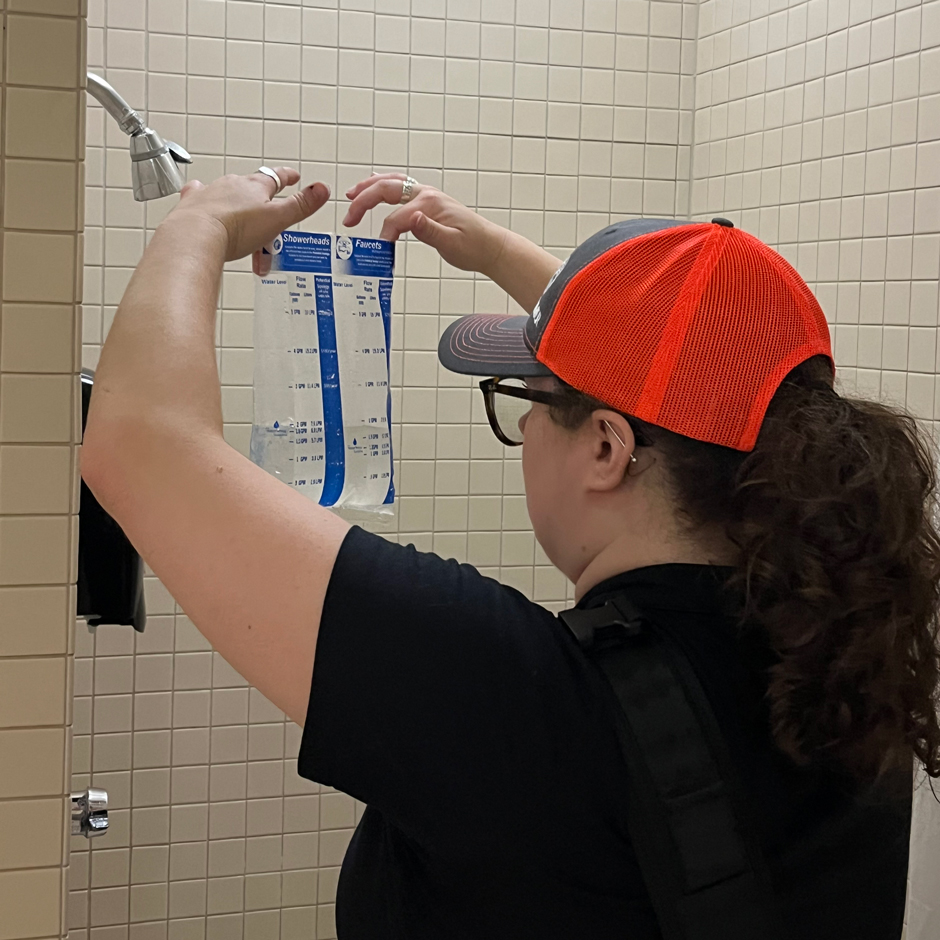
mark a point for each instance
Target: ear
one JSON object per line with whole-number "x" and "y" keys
{"x": 611, "y": 447}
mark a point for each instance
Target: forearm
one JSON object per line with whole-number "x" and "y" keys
{"x": 158, "y": 367}
{"x": 522, "y": 269}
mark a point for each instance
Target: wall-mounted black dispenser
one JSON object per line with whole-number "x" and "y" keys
{"x": 110, "y": 572}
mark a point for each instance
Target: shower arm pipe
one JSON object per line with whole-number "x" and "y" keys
{"x": 127, "y": 118}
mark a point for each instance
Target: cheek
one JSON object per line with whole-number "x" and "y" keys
{"x": 544, "y": 475}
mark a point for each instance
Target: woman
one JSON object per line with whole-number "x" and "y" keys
{"x": 683, "y": 447}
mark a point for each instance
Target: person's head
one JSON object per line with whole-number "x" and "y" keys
{"x": 597, "y": 493}
{"x": 684, "y": 402}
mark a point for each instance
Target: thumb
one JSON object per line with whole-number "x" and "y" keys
{"x": 300, "y": 205}
{"x": 432, "y": 233}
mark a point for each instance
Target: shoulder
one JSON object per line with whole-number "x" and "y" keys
{"x": 399, "y": 603}
{"x": 397, "y": 579}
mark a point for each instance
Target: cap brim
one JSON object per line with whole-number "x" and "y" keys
{"x": 489, "y": 344}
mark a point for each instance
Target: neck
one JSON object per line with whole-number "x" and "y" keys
{"x": 630, "y": 551}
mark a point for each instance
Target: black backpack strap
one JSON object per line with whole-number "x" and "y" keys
{"x": 687, "y": 815}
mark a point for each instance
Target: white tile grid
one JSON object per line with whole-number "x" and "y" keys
{"x": 817, "y": 128}
{"x": 554, "y": 118}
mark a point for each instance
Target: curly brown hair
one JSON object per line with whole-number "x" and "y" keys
{"x": 833, "y": 515}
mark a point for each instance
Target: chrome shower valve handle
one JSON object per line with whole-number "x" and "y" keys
{"x": 90, "y": 813}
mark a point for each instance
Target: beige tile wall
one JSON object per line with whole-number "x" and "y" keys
{"x": 813, "y": 124}
{"x": 42, "y": 150}
{"x": 551, "y": 116}
{"x": 817, "y": 128}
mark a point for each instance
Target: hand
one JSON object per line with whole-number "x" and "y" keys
{"x": 244, "y": 210}
{"x": 461, "y": 236}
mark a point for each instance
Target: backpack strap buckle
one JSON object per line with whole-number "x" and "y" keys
{"x": 598, "y": 628}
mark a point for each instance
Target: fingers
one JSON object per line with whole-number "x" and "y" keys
{"x": 369, "y": 180}
{"x": 386, "y": 189}
{"x": 300, "y": 205}
{"x": 286, "y": 175}
{"x": 261, "y": 263}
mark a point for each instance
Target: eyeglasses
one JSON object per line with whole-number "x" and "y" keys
{"x": 507, "y": 401}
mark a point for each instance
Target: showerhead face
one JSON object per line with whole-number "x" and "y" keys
{"x": 155, "y": 168}
{"x": 154, "y": 177}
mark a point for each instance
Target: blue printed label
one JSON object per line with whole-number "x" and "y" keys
{"x": 363, "y": 257}
{"x": 301, "y": 251}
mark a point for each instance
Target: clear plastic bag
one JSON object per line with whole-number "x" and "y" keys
{"x": 322, "y": 402}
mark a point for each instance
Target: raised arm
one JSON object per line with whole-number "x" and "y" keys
{"x": 247, "y": 557}
{"x": 461, "y": 236}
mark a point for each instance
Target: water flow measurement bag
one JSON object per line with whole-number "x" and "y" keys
{"x": 322, "y": 333}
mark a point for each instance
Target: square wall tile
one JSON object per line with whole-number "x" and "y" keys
{"x": 33, "y": 763}
{"x": 39, "y": 267}
{"x": 36, "y": 408}
{"x": 41, "y": 194}
{"x": 31, "y": 902}
{"x": 109, "y": 906}
{"x": 42, "y": 123}
{"x": 34, "y": 621}
{"x": 53, "y": 7}
{"x": 32, "y": 692}
{"x": 37, "y": 337}
{"x": 110, "y": 867}
{"x": 33, "y": 833}
{"x": 35, "y": 479}
{"x": 43, "y": 51}
{"x": 34, "y": 550}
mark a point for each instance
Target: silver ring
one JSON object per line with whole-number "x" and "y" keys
{"x": 277, "y": 180}
{"x": 407, "y": 189}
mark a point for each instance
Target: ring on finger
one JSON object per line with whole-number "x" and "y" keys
{"x": 277, "y": 180}
{"x": 407, "y": 189}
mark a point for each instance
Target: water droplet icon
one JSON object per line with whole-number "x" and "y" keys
{"x": 354, "y": 442}
{"x": 276, "y": 425}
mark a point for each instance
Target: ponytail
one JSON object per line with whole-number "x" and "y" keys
{"x": 833, "y": 516}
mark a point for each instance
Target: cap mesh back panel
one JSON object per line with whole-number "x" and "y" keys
{"x": 750, "y": 321}
{"x": 606, "y": 326}
{"x": 755, "y": 321}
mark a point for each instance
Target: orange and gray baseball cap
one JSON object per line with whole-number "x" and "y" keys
{"x": 689, "y": 326}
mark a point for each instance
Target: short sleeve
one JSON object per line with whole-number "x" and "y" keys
{"x": 440, "y": 696}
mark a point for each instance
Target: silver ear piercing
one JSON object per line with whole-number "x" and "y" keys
{"x": 613, "y": 431}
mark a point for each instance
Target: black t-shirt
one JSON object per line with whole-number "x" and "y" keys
{"x": 469, "y": 721}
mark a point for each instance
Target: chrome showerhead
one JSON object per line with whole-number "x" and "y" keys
{"x": 155, "y": 162}
{"x": 155, "y": 165}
